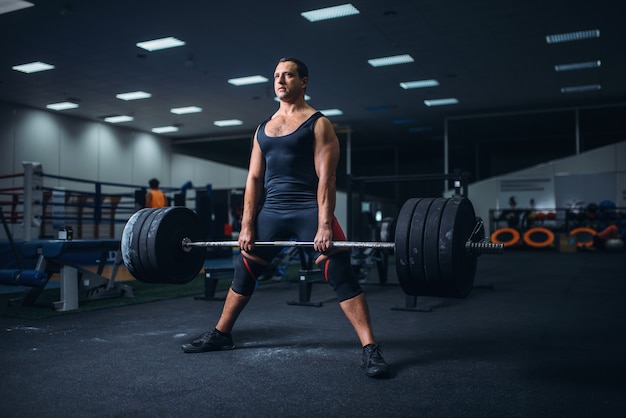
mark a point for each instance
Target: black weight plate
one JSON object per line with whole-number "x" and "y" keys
{"x": 431, "y": 243}
{"x": 166, "y": 254}
{"x": 416, "y": 246}
{"x": 457, "y": 267}
{"x": 401, "y": 243}
{"x": 150, "y": 271}
{"x": 130, "y": 243}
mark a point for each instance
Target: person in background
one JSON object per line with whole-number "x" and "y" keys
{"x": 155, "y": 198}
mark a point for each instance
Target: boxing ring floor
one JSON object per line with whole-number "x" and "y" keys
{"x": 547, "y": 340}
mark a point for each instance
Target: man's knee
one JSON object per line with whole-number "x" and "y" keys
{"x": 245, "y": 276}
{"x": 337, "y": 271}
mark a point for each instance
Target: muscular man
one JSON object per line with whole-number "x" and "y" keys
{"x": 293, "y": 171}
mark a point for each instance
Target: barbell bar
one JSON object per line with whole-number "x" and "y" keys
{"x": 436, "y": 244}
{"x": 478, "y": 248}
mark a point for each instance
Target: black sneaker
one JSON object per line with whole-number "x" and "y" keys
{"x": 210, "y": 341}
{"x": 373, "y": 362}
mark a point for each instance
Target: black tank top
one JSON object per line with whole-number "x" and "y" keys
{"x": 290, "y": 177}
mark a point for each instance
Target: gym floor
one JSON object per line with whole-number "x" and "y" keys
{"x": 547, "y": 340}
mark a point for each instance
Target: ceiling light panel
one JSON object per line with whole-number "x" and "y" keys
{"x": 228, "y": 122}
{"x": 578, "y": 66}
{"x": 62, "y": 106}
{"x": 573, "y": 36}
{"x": 580, "y": 89}
{"x": 33, "y": 67}
{"x": 133, "y": 95}
{"x": 7, "y": 6}
{"x": 331, "y": 112}
{"x": 162, "y": 43}
{"x": 185, "y": 110}
{"x": 393, "y": 60}
{"x": 330, "y": 12}
{"x": 119, "y": 119}
{"x": 306, "y": 97}
{"x": 441, "y": 102}
{"x": 165, "y": 129}
{"x": 419, "y": 84}
{"x": 253, "y": 79}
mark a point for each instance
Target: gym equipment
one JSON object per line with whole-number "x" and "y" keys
{"x": 538, "y": 237}
{"x": 437, "y": 241}
{"x": 614, "y": 244}
{"x": 507, "y": 236}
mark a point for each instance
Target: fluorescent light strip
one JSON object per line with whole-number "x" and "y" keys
{"x": 393, "y": 60}
{"x": 578, "y": 66}
{"x": 579, "y": 89}
{"x": 7, "y": 6}
{"x": 421, "y": 129}
{"x": 162, "y": 43}
{"x": 419, "y": 84}
{"x": 330, "y": 12}
{"x": 62, "y": 106}
{"x": 306, "y": 97}
{"x": 441, "y": 102}
{"x": 164, "y": 129}
{"x": 228, "y": 122}
{"x": 119, "y": 119}
{"x": 572, "y": 36}
{"x": 403, "y": 121}
{"x": 33, "y": 67}
{"x": 253, "y": 79}
{"x": 331, "y": 112}
{"x": 185, "y": 110}
{"x": 133, "y": 95}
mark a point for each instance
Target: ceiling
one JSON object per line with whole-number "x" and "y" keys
{"x": 491, "y": 55}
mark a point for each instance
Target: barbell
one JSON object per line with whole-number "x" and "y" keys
{"x": 436, "y": 244}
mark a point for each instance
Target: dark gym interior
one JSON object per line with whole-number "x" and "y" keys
{"x": 524, "y": 318}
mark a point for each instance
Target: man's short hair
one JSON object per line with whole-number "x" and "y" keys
{"x": 303, "y": 70}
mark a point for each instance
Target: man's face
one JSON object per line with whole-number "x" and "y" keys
{"x": 287, "y": 82}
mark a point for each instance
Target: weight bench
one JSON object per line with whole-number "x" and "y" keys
{"x": 75, "y": 282}
{"x": 305, "y": 285}
{"x": 211, "y": 277}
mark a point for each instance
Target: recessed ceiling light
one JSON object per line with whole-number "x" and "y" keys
{"x": 573, "y": 36}
{"x": 330, "y": 12}
{"x": 578, "y": 66}
{"x": 253, "y": 79}
{"x": 419, "y": 84}
{"x": 228, "y": 122}
{"x": 162, "y": 43}
{"x": 133, "y": 95}
{"x": 403, "y": 121}
{"x": 441, "y": 102}
{"x": 306, "y": 97}
{"x": 186, "y": 109}
{"x": 7, "y": 6}
{"x": 33, "y": 67}
{"x": 579, "y": 89}
{"x": 393, "y": 60}
{"x": 118, "y": 119}
{"x": 331, "y": 112}
{"x": 62, "y": 106}
{"x": 164, "y": 129}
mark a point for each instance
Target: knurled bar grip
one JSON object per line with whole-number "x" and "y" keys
{"x": 470, "y": 247}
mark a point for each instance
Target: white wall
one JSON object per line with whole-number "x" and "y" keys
{"x": 594, "y": 171}
{"x": 94, "y": 151}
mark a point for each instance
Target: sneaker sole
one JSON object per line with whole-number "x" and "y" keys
{"x": 192, "y": 349}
